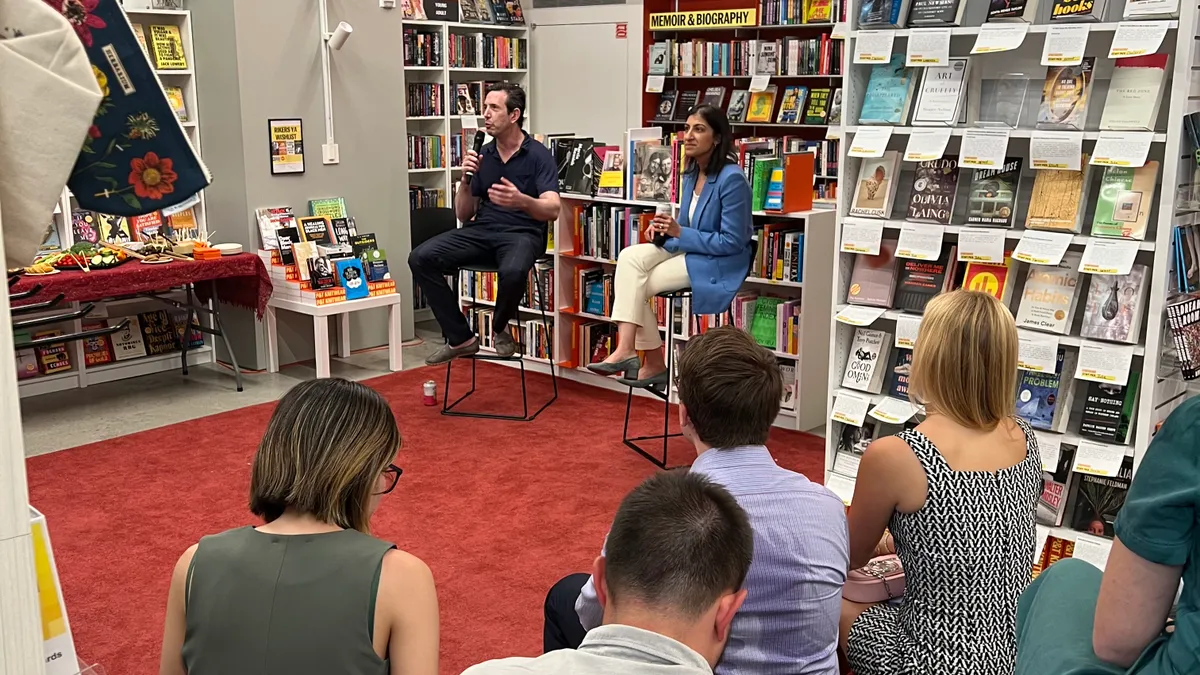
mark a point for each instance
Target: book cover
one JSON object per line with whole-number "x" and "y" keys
{"x": 688, "y": 100}
{"x": 175, "y": 98}
{"x": 139, "y": 32}
{"x": 1114, "y": 306}
{"x": 167, "y": 46}
{"x": 51, "y": 358}
{"x": 835, "y": 107}
{"x": 879, "y": 13}
{"x": 762, "y": 103}
{"x": 818, "y": 107}
{"x": 739, "y": 102}
{"x": 1108, "y": 410}
{"x": 658, "y": 62}
{"x": 933, "y": 191}
{"x": 158, "y": 332}
{"x": 84, "y": 226}
{"x": 1040, "y": 396}
{"x": 1100, "y": 499}
{"x": 128, "y": 344}
{"x": 666, "y": 106}
{"x": 1057, "y": 485}
{"x": 934, "y": 12}
{"x": 863, "y": 370}
{"x": 182, "y": 225}
{"x": 993, "y": 194}
{"x": 97, "y": 350}
{"x": 1123, "y": 204}
{"x": 940, "y": 97}
{"x": 1065, "y": 95}
{"x": 330, "y": 207}
{"x": 713, "y": 96}
{"x": 1057, "y": 201}
{"x": 375, "y": 264}
{"x": 873, "y": 277}
{"x": 920, "y": 280}
{"x": 1078, "y": 10}
{"x": 791, "y": 105}
{"x": 316, "y": 229}
{"x": 321, "y": 273}
{"x": 1135, "y": 93}
{"x": 114, "y": 229}
{"x": 888, "y": 91}
{"x": 146, "y": 226}
{"x": 876, "y": 186}
{"x": 995, "y": 280}
{"x": 1010, "y": 9}
{"x": 353, "y": 278}
{"x": 898, "y": 372}
{"x": 1051, "y": 295}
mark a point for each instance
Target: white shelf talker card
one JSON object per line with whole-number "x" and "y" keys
{"x": 841, "y": 486}
{"x": 873, "y": 46}
{"x": 1042, "y": 248}
{"x": 655, "y": 83}
{"x": 846, "y": 464}
{"x": 760, "y": 82}
{"x": 1064, "y": 45}
{"x": 907, "y": 327}
{"x": 981, "y": 245}
{"x": 920, "y": 241}
{"x": 999, "y": 37}
{"x": 1050, "y": 449}
{"x": 862, "y": 236}
{"x": 1043, "y": 533}
{"x": 870, "y": 141}
{"x": 1108, "y": 256}
{"x": 841, "y": 30}
{"x": 983, "y": 149}
{"x": 1104, "y": 363}
{"x": 1056, "y": 150}
{"x": 928, "y": 47}
{"x": 1036, "y": 353}
{"x": 1152, "y": 8}
{"x": 833, "y": 133}
{"x": 893, "y": 411}
{"x": 1122, "y": 148}
{"x": 858, "y": 315}
{"x": 470, "y": 122}
{"x": 849, "y": 409}
{"x": 1093, "y": 550}
{"x": 1137, "y": 38}
{"x": 1098, "y": 459}
{"x": 925, "y": 145}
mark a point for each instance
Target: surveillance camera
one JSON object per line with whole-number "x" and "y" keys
{"x": 340, "y": 35}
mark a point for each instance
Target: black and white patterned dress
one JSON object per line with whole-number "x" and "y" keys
{"x": 967, "y": 555}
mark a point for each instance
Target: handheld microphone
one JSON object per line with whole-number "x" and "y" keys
{"x": 479, "y": 135}
{"x": 661, "y": 210}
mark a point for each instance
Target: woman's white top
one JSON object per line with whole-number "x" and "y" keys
{"x": 692, "y": 208}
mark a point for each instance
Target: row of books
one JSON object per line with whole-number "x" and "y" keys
{"x": 422, "y": 47}
{"x": 957, "y": 94}
{"x": 426, "y": 152}
{"x": 164, "y": 46}
{"x": 531, "y": 335}
{"x": 1049, "y": 298}
{"x": 785, "y": 56}
{"x": 506, "y": 12}
{"x": 927, "y": 13}
{"x": 1058, "y": 200}
{"x": 482, "y": 286}
{"x": 799, "y": 12}
{"x": 94, "y": 227}
{"x": 483, "y": 50}
{"x": 425, "y": 99}
{"x": 425, "y": 198}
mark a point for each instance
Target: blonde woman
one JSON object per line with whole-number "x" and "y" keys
{"x": 958, "y": 494}
{"x": 310, "y": 590}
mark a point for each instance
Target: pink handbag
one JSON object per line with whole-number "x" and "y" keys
{"x": 880, "y": 580}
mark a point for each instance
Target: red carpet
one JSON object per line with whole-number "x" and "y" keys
{"x": 498, "y": 510}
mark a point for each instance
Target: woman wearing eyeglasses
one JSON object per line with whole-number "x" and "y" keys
{"x": 310, "y": 590}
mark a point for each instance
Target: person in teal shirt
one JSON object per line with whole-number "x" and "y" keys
{"x": 1076, "y": 620}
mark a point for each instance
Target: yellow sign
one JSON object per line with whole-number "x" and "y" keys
{"x": 854, "y": 248}
{"x": 287, "y": 146}
{"x": 1105, "y": 161}
{"x": 1092, "y": 268}
{"x": 839, "y": 416}
{"x": 1055, "y": 57}
{"x": 1043, "y": 164}
{"x": 1032, "y": 260}
{"x": 721, "y": 18}
{"x": 1095, "y": 375}
{"x": 933, "y": 60}
{"x": 1122, "y": 53}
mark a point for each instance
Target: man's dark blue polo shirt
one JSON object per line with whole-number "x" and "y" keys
{"x": 531, "y": 169}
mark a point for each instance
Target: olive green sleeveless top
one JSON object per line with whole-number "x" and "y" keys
{"x": 262, "y": 603}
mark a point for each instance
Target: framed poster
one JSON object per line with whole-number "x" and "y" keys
{"x": 287, "y": 145}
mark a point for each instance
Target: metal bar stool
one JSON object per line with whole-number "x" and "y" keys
{"x": 448, "y": 408}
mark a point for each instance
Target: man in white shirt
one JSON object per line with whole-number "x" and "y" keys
{"x": 670, "y": 582}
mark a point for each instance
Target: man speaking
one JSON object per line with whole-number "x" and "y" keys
{"x": 508, "y": 192}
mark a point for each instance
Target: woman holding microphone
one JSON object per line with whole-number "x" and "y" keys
{"x": 707, "y": 249}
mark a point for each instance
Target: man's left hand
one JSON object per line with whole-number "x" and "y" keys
{"x": 506, "y": 194}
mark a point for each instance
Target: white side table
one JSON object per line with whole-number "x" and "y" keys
{"x": 342, "y": 310}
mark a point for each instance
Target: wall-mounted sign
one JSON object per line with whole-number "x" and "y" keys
{"x": 287, "y": 146}
{"x": 716, "y": 18}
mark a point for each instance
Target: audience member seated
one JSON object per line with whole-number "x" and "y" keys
{"x": 707, "y": 249}
{"x": 729, "y": 390}
{"x": 669, "y": 584}
{"x": 504, "y": 209}
{"x": 1075, "y": 620}
{"x": 958, "y": 494}
{"x": 310, "y": 591}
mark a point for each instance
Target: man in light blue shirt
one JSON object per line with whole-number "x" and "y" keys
{"x": 729, "y": 390}
{"x": 669, "y": 585}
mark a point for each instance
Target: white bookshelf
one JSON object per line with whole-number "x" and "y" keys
{"x": 1159, "y": 389}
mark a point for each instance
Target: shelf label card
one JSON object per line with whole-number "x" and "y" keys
{"x": 1037, "y": 354}
{"x": 862, "y": 236}
{"x": 907, "y": 327}
{"x": 1137, "y": 38}
{"x": 870, "y": 141}
{"x": 1043, "y": 533}
{"x": 1042, "y": 248}
{"x": 1108, "y": 256}
{"x": 849, "y": 409}
{"x": 841, "y": 31}
{"x": 858, "y": 315}
{"x": 873, "y": 46}
{"x": 760, "y": 82}
{"x": 981, "y": 245}
{"x": 925, "y": 145}
{"x": 1152, "y": 8}
{"x": 470, "y": 122}
{"x": 920, "y": 241}
{"x": 1125, "y": 148}
{"x": 928, "y": 47}
{"x": 1050, "y": 450}
{"x": 983, "y": 149}
{"x": 1064, "y": 45}
{"x": 846, "y": 464}
{"x": 841, "y": 486}
{"x": 833, "y": 133}
{"x": 655, "y": 83}
{"x": 1104, "y": 363}
{"x": 893, "y": 411}
{"x": 1092, "y": 549}
{"x": 999, "y": 37}
{"x": 1098, "y": 459}
{"x": 1056, "y": 150}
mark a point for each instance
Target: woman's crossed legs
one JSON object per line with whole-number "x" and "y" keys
{"x": 643, "y": 271}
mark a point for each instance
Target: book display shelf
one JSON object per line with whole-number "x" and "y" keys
{"x": 71, "y": 225}
{"x": 960, "y": 175}
{"x": 448, "y": 66}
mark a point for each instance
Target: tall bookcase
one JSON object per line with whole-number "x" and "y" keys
{"x": 1161, "y": 387}
{"x": 442, "y": 175}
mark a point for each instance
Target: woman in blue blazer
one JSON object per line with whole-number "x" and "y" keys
{"x": 708, "y": 249}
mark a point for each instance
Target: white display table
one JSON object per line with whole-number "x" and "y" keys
{"x": 320, "y": 315}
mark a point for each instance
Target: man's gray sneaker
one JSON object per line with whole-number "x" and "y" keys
{"x": 505, "y": 345}
{"x": 448, "y": 353}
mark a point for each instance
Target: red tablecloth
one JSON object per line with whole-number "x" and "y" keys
{"x": 241, "y": 280}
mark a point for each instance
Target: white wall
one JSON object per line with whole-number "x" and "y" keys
{"x": 585, "y": 80}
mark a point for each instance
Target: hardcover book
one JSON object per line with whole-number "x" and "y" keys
{"x": 1051, "y": 295}
{"x": 920, "y": 280}
{"x": 898, "y": 372}
{"x": 864, "y": 372}
{"x": 1135, "y": 93}
{"x": 993, "y": 194}
{"x": 933, "y": 191}
{"x": 352, "y": 278}
{"x": 1056, "y": 489}
{"x": 940, "y": 98}
{"x": 1044, "y": 399}
{"x": 167, "y": 45}
{"x": 936, "y": 12}
{"x": 687, "y": 103}
{"x": 1012, "y": 10}
{"x": 316, "y": 229}
{"x": 817, "y": 111}
{"x": 889, "y": 92}
{"x": 996, "y": 280}
{"x": 1115, "y": 304}
{"x": 666, "y": 106}
{"x": 1078, "y": 10}
{"x": 1065, "y": 95}
{"x": 739, "y": 101}
{"x": 1098, "y": 500}
{"x": 873, "y": 277}
{"x": 97, "y": 350}
{"x": 761, "y": 105}
{"x": 128, "y": 344}
{"x": 1109, "y": 409}
{"x": 792, "y": 104}
{"x": 51, "y": 358}
{"x": 881, "y": 13}
{"x": 1058, "y": 199}
{"x": 713, "y": 96}
{"x": 1123, "y": 204}
{"x": 876, "y": 186}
